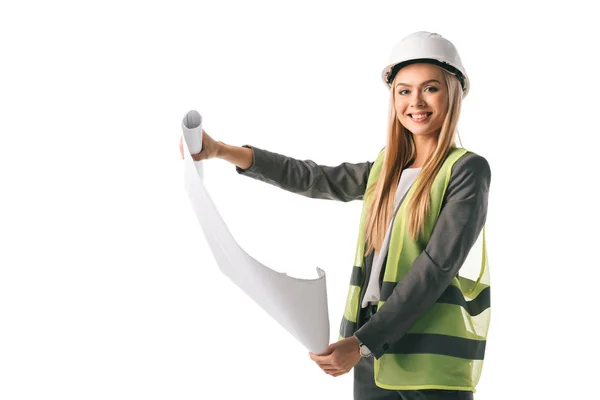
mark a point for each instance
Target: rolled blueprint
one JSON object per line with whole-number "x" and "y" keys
{"x": 299, "y": 305}
{"x": 192, "y": 132}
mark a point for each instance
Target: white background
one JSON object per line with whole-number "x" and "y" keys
{"x": 107, "y": 287}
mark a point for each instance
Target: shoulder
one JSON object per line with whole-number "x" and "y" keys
{"x": 470, "y": 176}
{"x": 473, "y": 165}
{"x": 378, "y": 162}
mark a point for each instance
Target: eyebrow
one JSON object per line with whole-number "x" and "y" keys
{"x": 406, "y": 84}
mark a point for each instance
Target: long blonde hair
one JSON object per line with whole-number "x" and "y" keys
{"x": 400, "y": 152}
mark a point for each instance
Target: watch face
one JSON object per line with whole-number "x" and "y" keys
{"x": 364, "y": 351}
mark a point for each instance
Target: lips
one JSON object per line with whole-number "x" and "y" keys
{"x": 420, "y": 117}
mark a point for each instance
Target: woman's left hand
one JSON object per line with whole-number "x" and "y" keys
{"x": 339, "y": 358}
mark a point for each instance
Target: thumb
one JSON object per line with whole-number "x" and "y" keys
{"x": 329, "y": 350}
{"x": 199, "y": 156}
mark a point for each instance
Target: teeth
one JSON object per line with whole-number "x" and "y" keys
{"x": 419, "y": 116}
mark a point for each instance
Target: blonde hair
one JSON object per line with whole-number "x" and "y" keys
{"x": 400, "y": 152}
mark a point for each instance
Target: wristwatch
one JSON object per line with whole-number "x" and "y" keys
{"x": 364, "y": 350}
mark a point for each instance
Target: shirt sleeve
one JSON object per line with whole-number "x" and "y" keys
{"x": 345, "y": 182}
{"x": 461, "y": 219}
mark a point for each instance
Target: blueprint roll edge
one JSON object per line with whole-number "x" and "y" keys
{"x": 192, "y": 130}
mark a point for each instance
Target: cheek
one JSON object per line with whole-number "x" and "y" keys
{"x": 443, "y": 110}
{"x": 400, "y": 107}
{"x": 441, "y": 103}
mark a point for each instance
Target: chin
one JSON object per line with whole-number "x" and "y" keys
{"x": 419, "y": 132}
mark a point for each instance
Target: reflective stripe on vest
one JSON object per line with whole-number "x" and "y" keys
{"x": 444, "y": 348}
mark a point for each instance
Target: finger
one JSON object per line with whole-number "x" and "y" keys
{"x": 326, "y": 366}
{"x": 336, "y": 372}
{"x": 339, "y": 373}
{"x": 318, "y": 358}
{"x": 181, "y": 146}
{"x": 330, "y": 369}
{"x": 322, "y": 363}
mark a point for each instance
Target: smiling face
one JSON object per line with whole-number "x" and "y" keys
{"x": 421, "y": 98}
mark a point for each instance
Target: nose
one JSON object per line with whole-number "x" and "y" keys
{"x": 417, "y": 99}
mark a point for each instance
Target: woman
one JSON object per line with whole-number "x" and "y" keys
{"x": 414, "y": 326}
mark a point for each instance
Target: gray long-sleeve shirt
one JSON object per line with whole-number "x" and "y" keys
{"x": 461, "y": 219}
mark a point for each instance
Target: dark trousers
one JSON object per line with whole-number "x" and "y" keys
{"x": 365, "y": 388}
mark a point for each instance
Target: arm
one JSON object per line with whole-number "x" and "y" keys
{"x": 344, "y": 182}
{"x": 460, "y": 221}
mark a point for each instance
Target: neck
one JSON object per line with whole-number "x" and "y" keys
{"x": 424, "y": 148}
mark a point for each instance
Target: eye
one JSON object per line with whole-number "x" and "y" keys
{"x": 434, "y": 89}
{"x": 400, "y": 92}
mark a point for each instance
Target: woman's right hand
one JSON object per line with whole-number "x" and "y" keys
{"x": 210, "y": 148}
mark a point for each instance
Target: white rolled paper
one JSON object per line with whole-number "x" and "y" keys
{"x": 299, "y": 305}
{"x": 192, "y": 130}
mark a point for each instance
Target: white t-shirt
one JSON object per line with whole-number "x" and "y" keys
{"x": 372, "y": 293}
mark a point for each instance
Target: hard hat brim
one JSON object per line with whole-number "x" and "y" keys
{"x": 389, "y": 72}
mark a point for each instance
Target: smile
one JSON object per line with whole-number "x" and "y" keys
{"x": 419, "y": 117}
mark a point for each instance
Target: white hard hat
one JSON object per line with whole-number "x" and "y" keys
{"x": 425, "y": 47}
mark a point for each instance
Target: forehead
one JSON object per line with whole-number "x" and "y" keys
{"x": 419, "y": 72}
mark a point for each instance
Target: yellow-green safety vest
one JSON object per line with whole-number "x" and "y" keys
{"x": 439, "y": 357}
